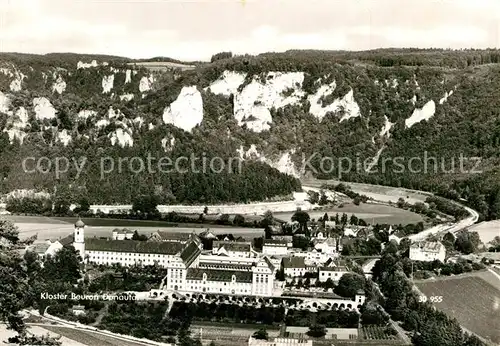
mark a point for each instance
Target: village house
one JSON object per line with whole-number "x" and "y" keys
{"x": 78, "y": 310}
{"x": 275, "y": 247}
{"x": 427, "y": 251}
{"x": 294, "y": 266}
{"x": 333, "y": 273}
{"x": 121, "y": 234}
{"x": 45, "y": 248}
{"x": 328, "y": 245}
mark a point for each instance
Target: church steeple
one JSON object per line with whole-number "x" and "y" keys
{"x": 79, "y": 238}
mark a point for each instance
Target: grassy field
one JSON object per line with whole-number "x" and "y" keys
{"x": 59, "y": 227}
{"x": 371, "y": 213}
{"x": 474, "y": 300}
{"x": 89, "y": 337}
{"x": 487, "y": 230}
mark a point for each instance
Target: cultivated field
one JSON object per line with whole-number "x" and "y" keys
{"x": 473, "y": 299}
{"x": 487, "y": 230}
{"x": 371, "y": 213}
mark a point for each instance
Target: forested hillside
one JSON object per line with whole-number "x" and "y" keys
{"x": 277, "y": 108}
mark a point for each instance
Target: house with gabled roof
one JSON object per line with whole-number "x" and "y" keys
{"x": 294, "y": 266}
{"x": 45, "y": 248}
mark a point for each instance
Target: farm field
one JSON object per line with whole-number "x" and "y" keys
{"x": 89, "y": 337}
{"x": 371, "y": 213}
{"x": 487, "y": 230}
{"x": 474, "y": 300}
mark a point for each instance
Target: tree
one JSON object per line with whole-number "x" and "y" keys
{"x": 61, "y": 206}
{"x": 146, "y": 205}
{"x": 137, "y": 236}
{"x": 83, "y": 206}
{"x": 354, "y": 220}
{"x": 323, "y": 200}
{"x": 316, "y": 331}
{"x": 64, "y": 266}
{"x": 313, "y": 197}
{"x": 449, "y": 241}
{"x": 261, "y": 334}
{"x": 280, "y": 274}
{"x": 302, "y": 218}
{"x": 14, "y": 285}
{"x": 349, "y": 284}
{"x": 268, "y": 218}
{"x": 221, "y": 55}
{"x": 329, "y": 284}
{"x": 467, "y": 242}
{"x": 374, "y": 314}
{"x": 344, "y": 219}
{"x": 404, "y": 245}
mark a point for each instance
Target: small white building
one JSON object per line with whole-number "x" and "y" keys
{"x": 333, "y": 273}
{"x": 427, "y": 251}
{"x": 78, "y": 310}
{"x": 122, "y": 234}
{"x": 280, "y": 342}
{"x": 275, "y": 247}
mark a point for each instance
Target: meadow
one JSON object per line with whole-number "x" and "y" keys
{"x": 487, "y": 230}
{"x": 371, "y": 213}
{"x": 56, "y": 228}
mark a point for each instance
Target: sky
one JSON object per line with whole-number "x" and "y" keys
{"x": 195, "y": 29}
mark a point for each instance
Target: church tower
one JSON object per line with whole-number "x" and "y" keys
{"x": 79, "y": 238}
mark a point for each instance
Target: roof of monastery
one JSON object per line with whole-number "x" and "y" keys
{"x": 190, "y": 253}
{"x": 219, "y": 275}
{"x": 133, "y": 246}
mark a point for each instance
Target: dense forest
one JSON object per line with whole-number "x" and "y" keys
{"x": 467, "y": 124}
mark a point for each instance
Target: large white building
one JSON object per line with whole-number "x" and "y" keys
{"x": 276, "y": 247}
{"x": 187, "y": 269}
{"x": 192, "y": 272}
{"x": 427, "y": 251}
